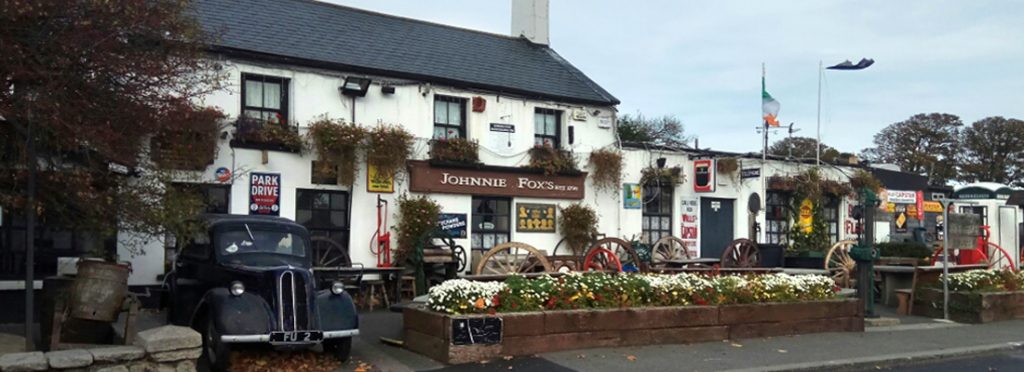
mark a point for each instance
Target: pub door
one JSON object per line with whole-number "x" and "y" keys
{"x": 716, "y": 226}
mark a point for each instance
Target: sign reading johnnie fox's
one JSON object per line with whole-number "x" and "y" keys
{"x": 493, "y": 182}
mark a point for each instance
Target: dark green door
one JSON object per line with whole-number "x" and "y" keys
{"x": 716, "y": 225}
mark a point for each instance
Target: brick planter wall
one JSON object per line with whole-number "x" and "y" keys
{"x": 429, "y": 333}
{"x": 970, "y": 307}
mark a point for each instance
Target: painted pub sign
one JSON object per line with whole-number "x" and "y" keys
{"x": 265, "y": 194}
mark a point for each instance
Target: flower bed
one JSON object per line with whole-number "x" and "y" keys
{"x": 977, "y": 296}
{"x": 595, "y": 290}
{"x": 528, "y": 316}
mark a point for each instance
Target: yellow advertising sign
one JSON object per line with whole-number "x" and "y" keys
{"x": 378, "y": 183}
{"x": 929, "y": 207}
{"x": 806, "y": 222}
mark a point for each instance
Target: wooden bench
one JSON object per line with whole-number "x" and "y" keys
{"x": 895, "y": 281}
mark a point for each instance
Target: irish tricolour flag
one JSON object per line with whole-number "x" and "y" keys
{"x": 769, "y": 106}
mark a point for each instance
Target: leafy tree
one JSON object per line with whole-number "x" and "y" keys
{"x": 85, "y": 87}
{"x": 666, "y": 130}
{"x": 925, "y": 144}
{"x": 993, "y": 151}
{"x": 802, "y": 148}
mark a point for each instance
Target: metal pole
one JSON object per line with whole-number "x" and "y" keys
{"x": 817, "y": 143}
{"x": 30, "y": 237}
{"x": 945, "y": 259}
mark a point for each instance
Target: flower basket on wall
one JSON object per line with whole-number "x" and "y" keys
{"x": 276, "y": 135}
{"x": 455, "y": 150}
{"x": 387, "y": 149}
{"x": 553, "y": 161}
{"x": 607, "y": 164}
{"x": 192, "y": 145}
{"x": 337, "y": 144}
{"x": 651, "y": 176}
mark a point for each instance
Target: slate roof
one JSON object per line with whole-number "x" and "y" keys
{"x": 313, "y": 33}
{"x": 894, "y": 180}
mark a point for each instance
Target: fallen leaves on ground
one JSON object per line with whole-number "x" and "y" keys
{"x": 736, "y": 345}
{"x": 507, "y": 357}
{"x": 255, "y": 361}
{"x": 783, "y": 351}
{"x": 631, "y": 358}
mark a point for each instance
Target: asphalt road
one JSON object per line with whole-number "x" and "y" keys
{"x": 1011, "y": 361}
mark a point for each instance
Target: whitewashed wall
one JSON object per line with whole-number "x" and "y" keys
{"x": 313, "y": 93}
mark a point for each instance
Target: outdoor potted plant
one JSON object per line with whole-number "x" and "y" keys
{"x": 662, "y": 176}
{"x": 387, "y": 149}
{"x": 192, "y": 145}
{"x": 274, "y": 135}
{"x": 578, "y": 224}
{"x": 337, "y": 144}
{"x": 607, "y": 168}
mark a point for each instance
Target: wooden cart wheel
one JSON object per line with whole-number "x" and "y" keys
{"x": 839, "y": 263}
{"x": 512, "y": 258}
{"x": 460, "y": 258}
{"x": 564, "y": 245}
{"x": 328, "y": 253}
{"x": 602, "y": 259}
{"x": 623, "y": 251}
{"x": 741, "y": 253}
{"x": 998, "y": 258}
{"x": 668, "y": 248}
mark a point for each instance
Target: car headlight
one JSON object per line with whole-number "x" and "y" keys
{"x": 338, "y": 288}
{"x": 237, "y": 288}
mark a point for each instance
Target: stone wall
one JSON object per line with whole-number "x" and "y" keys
{"x": 970, "y": 307}
{"x": 429, "y": 333}
{"x": 167, "y": 348}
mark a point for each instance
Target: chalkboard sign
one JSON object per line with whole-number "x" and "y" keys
{"x": 476, "y": 331}
{"x": 963, "y": 230}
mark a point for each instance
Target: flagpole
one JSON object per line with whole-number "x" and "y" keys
{"x": 817, "y": 142}
{"x": 764, "y": 152}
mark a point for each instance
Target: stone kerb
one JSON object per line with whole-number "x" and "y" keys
{"x": 158, "y": 349}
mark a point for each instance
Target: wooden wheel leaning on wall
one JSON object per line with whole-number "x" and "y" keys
{"x": 512, "y": 258}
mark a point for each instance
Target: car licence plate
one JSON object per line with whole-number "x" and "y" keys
{"x": 296, "y": 337}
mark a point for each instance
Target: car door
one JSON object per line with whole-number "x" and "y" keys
{"x": 189, "y": 279}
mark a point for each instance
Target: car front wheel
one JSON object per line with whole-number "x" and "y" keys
{"x": 340, "y": 347}
{"x": 216, "y": 352}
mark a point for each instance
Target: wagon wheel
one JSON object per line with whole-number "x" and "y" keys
{"x": 564, "y": 244}
{"x": 512, "y": 258}
{"x": 998, "y": 258}
{"x": 839, "y": 263}
{"x": 460, "y": 258}
{"x": 741, "y": 253}
{"x": 602, "y": 259}
{"x": 623, "y": 251}
{"x": 328, "y": 253}
{"x": 669, "y": 248}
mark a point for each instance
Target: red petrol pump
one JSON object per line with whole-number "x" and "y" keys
{"x": 381, "y": 238}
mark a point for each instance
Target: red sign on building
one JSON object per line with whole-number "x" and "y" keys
{"x": 265, "y": 194}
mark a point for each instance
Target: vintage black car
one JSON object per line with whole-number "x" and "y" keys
{"x": 248, "y": 281}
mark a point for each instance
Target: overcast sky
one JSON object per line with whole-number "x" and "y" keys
{"x": 701, "y": 60}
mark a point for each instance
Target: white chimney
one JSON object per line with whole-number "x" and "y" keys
{"x": 530, "y": 20}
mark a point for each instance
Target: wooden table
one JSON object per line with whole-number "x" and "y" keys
{"x": 499, "y": 277}
{"x": 685, "y": 262}
{"x": 390, "y": 275}
{"x": 903, "y": 277}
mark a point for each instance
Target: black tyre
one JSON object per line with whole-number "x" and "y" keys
{"x": 216, "y": 353}
{"x": 339, "y": 347}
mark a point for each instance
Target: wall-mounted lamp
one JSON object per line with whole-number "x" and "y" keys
{"x": 661, "y": 163}
{"x": 355, "y": 86}
{"x": 387, "y": 89}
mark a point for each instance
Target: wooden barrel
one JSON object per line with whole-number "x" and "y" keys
{"x": 99, "y": 290}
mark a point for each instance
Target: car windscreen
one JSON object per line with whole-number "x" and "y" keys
{"x": 247, "y": 239}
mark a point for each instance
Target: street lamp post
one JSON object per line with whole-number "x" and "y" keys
{"x": 846, "y": 65}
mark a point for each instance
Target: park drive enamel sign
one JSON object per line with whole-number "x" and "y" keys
{"x": 265, "y": 194}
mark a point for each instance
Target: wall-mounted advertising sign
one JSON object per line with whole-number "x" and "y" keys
{"x": 453, "y": 223}
{"x": 501, "y": 138}
{"x": 703, "y": 175}
{"x": 265, "y": 194}
{"x": 377, "y": 182}
{"x": 493, "y": 181}
{"x": 631, "y": 196}
{"x": 806, "y": 222}
{"x": 750, "y": 173}
{"x": 902, "y": 197}
{"x": 535, "y": 217}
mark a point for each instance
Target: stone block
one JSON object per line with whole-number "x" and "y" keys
{"x": 112, "y": 368}
{"x": 117, "y": 354}
{"x": 168, "y": 338}
{"x": 31, "y": 361}
{"x": 65, "y": 359}
{"x": 473, "y": 353}
{"x": 425, "y": 344}
{"x": 185, "y": 366}
{"x": 779, "y": 312}
{"x": 176, "y": 355}
{"x": 683, "y": 335}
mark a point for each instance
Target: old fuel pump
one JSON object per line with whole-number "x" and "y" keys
{"x": 865, "y": 252}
